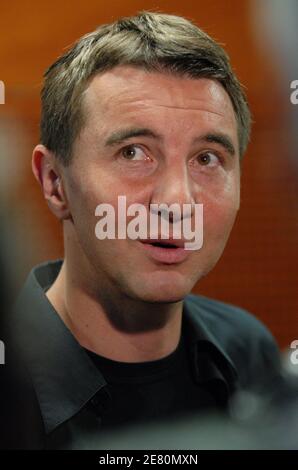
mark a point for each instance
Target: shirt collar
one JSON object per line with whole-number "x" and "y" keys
{"x": 209, "y": 360}
{"x": 64, "y": 376}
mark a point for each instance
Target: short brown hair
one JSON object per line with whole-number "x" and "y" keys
{"x": 153, "y": 41}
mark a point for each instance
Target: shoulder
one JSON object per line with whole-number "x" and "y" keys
{"x": 226, "y": 319}
{"x": 239, "y": 334}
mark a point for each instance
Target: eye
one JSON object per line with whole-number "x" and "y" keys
{"x": 208, "y": 159}
{"x": 133, "y": 152}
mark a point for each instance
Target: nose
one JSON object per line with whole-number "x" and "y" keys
{"x": 174, "y": 191}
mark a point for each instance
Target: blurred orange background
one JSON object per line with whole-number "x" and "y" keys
{"x": 258, "y": 270}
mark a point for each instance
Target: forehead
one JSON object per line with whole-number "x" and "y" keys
{"x": 131, "y": 93}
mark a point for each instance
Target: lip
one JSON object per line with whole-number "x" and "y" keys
{"x": 165, "y": 241}
{"x": 165, "y": 255}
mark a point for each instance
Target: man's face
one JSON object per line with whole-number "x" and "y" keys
{"x": 185, "y": 155}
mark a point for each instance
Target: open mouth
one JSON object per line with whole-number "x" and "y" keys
{"x": 165, "y": 251}
{"x": 164, "y": 245}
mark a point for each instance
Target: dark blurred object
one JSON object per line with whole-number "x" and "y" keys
{"x": 5, "y": 371}
{"x": 16, "y": 402}
{"x": 266, "y": 418}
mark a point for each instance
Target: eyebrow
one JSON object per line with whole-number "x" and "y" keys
{"x": 218, "y": 138}
{"x": 122, "y": 135}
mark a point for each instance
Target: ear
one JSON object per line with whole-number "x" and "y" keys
{"x": 46, "y": 170}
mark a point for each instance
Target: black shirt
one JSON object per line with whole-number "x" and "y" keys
{"x": 153, "y": 390}
{"x": 67, "y": 400}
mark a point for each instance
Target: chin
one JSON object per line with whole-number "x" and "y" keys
{"x": 162, "y": 299}
{"x": 166, "y": 289}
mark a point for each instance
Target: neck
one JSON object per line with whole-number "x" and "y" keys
{"x": 111, "y": 324}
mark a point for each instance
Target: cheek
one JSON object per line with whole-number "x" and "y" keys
{"x": 220, "y": 213}
{"x": 99, "y": 186}
{"x": 82, "y": 193}
{"x": 218, "y": 223}
{"x": 86, "y": 191}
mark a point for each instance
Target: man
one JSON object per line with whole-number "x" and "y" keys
{"x": 146, "y": 108}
